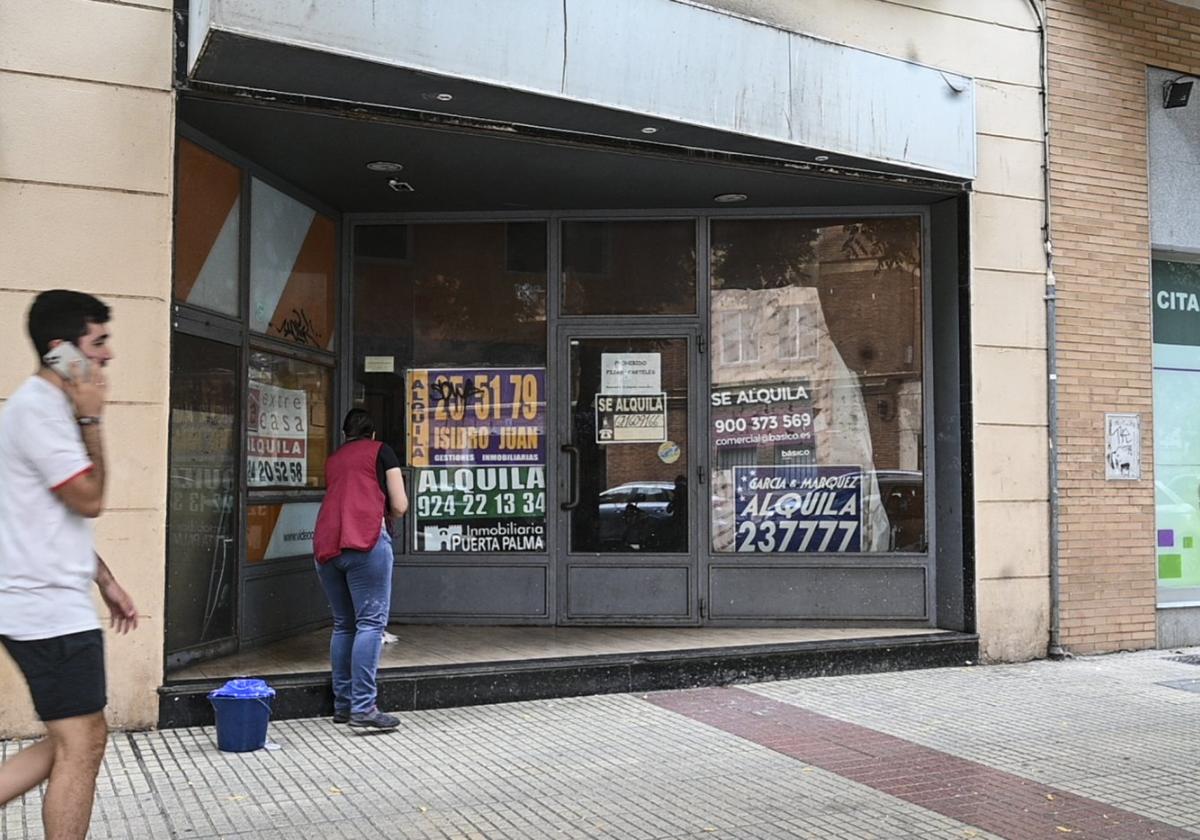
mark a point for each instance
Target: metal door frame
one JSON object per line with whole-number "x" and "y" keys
{"x": 688, "y": 328}
{"x": 598, "y": 326}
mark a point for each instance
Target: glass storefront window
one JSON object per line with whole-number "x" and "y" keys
{"x": 817, "y": 398}
{"x": 629, "y": 267}
{"x": 1176, "y": 289}
{"x": 449, "y": 359}
{"x": 207, "y": 226}
{"x": 293, "y": 252}
{"x": 202, "y": 518}
{"x": 288, "y": 422}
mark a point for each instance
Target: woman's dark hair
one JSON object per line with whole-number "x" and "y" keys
{"x": 65, "y": 315}
{"x": 358, "y": 424}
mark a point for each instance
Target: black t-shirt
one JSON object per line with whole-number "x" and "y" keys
{"x": 384, "y": 461}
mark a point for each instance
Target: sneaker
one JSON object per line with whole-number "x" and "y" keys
{"x": 374, "y": 719}
{"x": 341, "y": 715}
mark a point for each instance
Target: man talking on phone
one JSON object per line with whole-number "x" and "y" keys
{"x": 52, "y": 479}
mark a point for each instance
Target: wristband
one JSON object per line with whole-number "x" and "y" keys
{"x": 88, "y": 421}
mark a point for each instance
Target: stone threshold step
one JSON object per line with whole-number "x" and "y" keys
{"x": 479, "y": 683}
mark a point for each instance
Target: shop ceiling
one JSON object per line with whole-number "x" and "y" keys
{"x": 530, "y": 109}
{"x": 325, "y": 154}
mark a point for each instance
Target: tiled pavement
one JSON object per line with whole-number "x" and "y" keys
{"x": 1088, "y": 748}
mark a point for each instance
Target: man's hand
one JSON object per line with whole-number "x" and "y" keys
{"x": 87, "y": 393}
{"x": 122, "y": 613}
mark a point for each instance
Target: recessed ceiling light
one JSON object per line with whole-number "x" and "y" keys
{"x": 649, "y": 130}
{"x": 385, "y": 166}
{"x": 730, "y": 198}
{"x": 444, "y": 97}
{"x": 821, "y": 158}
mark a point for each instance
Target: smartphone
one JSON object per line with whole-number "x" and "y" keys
{"x": 66, "y": 360}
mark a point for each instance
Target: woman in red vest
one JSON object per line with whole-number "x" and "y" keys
{"x": 353, "y": 545}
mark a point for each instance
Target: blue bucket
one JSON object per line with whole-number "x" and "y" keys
{"x": 243, "y": 710}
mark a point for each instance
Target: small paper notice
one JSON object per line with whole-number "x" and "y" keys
{"x": 629, "y": 374}
{"x": 379, "y": 364}
{"x": 1122, "y": 447}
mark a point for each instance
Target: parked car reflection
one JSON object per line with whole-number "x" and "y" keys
{"x": 643, "y": 516}
{"x": 903, "y": 495}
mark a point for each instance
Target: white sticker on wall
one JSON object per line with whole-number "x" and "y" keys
{"x": 1122, "y": 446}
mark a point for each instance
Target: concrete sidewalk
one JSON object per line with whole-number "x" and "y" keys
{"x": 1095, "y": 747}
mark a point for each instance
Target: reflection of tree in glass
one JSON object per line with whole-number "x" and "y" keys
{"x": 758, "y": 254}
{"x": 762, "y": 255}
{"x": 890, "y": 241}
{"x": 629, "y": 267}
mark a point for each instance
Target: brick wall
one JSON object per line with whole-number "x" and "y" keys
{"x": 1099, "y": 53}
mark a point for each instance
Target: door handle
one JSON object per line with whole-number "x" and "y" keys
{"x": 573, "y": 478}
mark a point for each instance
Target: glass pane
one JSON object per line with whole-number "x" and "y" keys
{"x": 449, "y": 359}
{"x": 1176, "y": 432}
{"x": 276, "y": 532}
{"x": 288, "y": 425}
{"x": 629, "y": 268}
{"x": 207, "y": 225}
{"x": 293, "y": 253}
{"x": 202, "y": 521}
{"x": 629, "y": 409}
{"x": 817, "y": 400}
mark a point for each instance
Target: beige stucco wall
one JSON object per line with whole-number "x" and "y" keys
{"x": 86, "y": 128}
{"x": 996, "y": 42}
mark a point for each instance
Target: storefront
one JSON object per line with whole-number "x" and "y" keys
{"x": 1175, "y": 284}
{"x": 684, "y": 317}
{"x": 705, "y": 397}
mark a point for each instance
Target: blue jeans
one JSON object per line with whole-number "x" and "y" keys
{"x": 358, "y": 585}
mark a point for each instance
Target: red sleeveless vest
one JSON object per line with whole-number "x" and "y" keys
{"x": 351, "y": 515}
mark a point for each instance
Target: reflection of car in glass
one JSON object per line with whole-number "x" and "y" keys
{"x": 903, "y": 495}
{"x": 636, "y": 514}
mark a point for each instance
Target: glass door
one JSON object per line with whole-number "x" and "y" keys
{"x": 203, "y": 520}
{"x": 626, "y": 478}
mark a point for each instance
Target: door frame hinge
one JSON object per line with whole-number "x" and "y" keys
{"x": 701, "y": 344}
{"x": 702, "y": 605}
{"x": 700, "y": 476}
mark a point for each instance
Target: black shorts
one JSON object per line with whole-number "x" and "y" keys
{"x": 65, "y": 673}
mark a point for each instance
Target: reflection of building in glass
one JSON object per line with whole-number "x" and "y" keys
{"x": 835, "y": 311}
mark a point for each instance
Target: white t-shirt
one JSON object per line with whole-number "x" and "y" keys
{"x": 47, "y": 559}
